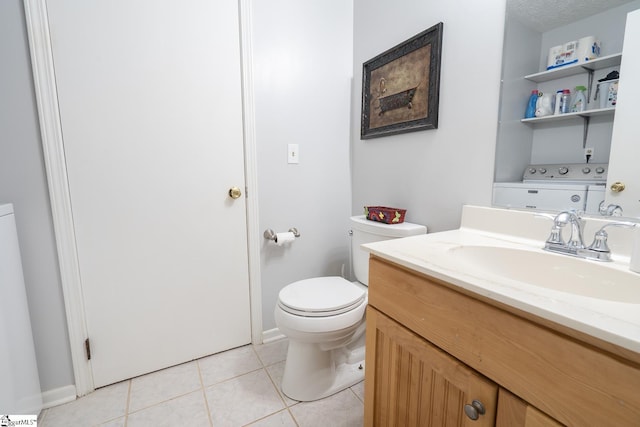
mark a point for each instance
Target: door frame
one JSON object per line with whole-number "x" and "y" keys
{"x": 56, "y": 171}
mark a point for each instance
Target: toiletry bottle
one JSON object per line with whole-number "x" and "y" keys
{"x": 579, "y": 100}
{"x": 565, "y": 102}
{"x": 556, "y": 108}
{"x": 531, "y": 105}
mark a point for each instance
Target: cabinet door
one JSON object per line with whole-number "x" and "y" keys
{"x": 515, "y": 412}
{"x": 410, "y": 382}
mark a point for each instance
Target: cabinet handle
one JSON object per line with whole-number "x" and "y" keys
{"x": 474, "y": 410}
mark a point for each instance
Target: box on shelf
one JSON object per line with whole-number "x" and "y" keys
{"x": 384, "y": 214}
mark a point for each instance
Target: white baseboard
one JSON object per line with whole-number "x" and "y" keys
{"x": 58, "y": 396}
{"x": 272, "y": 335}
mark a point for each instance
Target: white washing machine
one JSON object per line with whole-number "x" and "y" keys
{"x": 555, "y": 187}
{"x": 595, "y": 198}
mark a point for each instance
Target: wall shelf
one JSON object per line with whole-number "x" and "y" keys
{"x": 610, "y": 111}
{"x": 575, "y": 69}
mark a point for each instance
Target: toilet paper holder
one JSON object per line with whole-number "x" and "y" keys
{"x": 269, "y": 234}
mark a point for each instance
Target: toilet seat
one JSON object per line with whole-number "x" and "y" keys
{"x": 321, "y": 297}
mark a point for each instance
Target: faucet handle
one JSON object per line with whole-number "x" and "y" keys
{"x": 610, "y": 210}
{"x": 555, "y": 238}
{"x": 599, "y": 243}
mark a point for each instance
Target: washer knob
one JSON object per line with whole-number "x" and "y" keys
{"x": 542, "y": 170}
{"x": 599, "y": 169}
{"x": 586, "y": 170}
{"x": 532, "y": 170}
{"x": 563, "y": 170}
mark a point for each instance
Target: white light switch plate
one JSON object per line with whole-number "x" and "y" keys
{"x": 293, "y": 154}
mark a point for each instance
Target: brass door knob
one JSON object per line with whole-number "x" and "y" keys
{"x": 617, "y": 187}
{"x": 235, "y": 192}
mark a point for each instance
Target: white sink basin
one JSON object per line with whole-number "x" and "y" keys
{"x": 552, "y": 271}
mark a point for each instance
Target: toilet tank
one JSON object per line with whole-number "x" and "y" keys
{"x": 366, "y": 231}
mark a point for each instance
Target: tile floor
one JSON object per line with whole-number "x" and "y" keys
{"x": 239, "y": 387}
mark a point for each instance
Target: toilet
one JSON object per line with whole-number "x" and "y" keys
{"x": 323, "y": 318}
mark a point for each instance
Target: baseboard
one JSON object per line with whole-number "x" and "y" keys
{"x": 58, "y": 396}
{"x": 272, "y": 335}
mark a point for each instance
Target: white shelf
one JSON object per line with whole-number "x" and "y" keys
{"x": 571, "y": 116}
{"x": 574, "y": 69}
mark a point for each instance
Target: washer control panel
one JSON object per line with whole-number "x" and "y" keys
{"x": 575, "y": 172}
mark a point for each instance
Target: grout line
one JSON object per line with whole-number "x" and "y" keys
{"x": 126, "y": 408}
{"x": 292, "y": 417}
{"x": 204, "y": 395}
{"x": 356, "y": 394}
{"x": 258, "y": 355}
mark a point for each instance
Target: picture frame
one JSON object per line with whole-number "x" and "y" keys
{"x": 401, "y": 87}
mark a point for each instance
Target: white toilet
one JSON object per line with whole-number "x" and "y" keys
{"x": 323, "y": 318}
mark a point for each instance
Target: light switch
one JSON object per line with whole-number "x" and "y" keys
{"x": 293, "y": 154}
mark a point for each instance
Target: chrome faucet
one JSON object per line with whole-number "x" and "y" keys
{"x": 555, "y": 242}
{"x": 598, "y": 250}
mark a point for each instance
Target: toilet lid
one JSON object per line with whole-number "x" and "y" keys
{"x": 321, "y": 296}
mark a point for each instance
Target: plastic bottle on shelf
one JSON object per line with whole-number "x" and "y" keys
{"x": 531, "y": 105}
{"x": 579, "y": 100}
{"x": 556, "y": 108}
{"x": 565, "y": 101}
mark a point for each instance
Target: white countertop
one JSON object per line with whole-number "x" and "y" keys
{"x": 611, "y": 321}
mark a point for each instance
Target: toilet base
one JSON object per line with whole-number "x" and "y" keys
{"x": 311, "y": 373}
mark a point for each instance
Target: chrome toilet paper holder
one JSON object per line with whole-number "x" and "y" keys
{"x": 269, "y": 234}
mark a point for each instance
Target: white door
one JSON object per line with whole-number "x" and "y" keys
{"x": 150, "y": 104}
{"x": 625, "y": 147}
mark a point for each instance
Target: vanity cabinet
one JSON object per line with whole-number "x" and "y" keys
{"x": 433, "y": 348}
{"x": 417, "y": 384}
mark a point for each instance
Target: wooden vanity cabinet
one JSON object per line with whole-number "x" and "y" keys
{"x": 417, "y": 384}
{"x": 432, "y": 349}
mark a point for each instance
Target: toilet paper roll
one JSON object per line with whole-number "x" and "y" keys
{"x": 588, "y": 49}
{"x": 284, "y": 238}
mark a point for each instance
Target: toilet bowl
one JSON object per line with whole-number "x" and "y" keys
{"x": 324, "y": 320}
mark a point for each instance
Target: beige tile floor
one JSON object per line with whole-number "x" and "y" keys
{"x": 239, "y": 387}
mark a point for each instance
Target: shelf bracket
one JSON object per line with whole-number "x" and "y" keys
{"x": 589, "y": 84}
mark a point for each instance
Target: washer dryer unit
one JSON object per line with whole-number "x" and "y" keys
{"x": 555, "y": 187}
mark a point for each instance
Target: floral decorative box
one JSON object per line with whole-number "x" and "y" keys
{"x": 384, "y": 214}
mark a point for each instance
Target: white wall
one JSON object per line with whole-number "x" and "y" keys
{"x": 23, "y": 183}
{"x": 513, "y": 149}
{"x": 302, "y": 78}
{"x": 432, "y": 173}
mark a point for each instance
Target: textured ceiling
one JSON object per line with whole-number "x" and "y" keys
{"x": 545, "y": 15}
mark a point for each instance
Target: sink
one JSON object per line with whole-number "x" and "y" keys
{"x": 552, "y": 271}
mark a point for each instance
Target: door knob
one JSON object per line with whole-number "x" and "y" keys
{"x": 235, "y": 192}
{"x": 617, "y": 187}
{"x": 474, "y": 410}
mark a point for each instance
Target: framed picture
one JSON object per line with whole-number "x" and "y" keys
{"x": 400, "y": 87}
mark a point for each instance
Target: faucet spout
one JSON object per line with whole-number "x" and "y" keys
{"x": 576, "y": 241}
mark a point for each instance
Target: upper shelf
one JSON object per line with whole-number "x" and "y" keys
{"x": 573, "y": 69}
